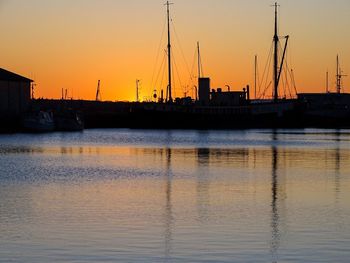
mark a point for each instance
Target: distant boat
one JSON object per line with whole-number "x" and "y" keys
{"x": 40, "y": 121}
{"x": 330, "y": 109}
{"x": 68, "y": 120}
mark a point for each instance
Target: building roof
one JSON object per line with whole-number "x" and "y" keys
{"x": 6, "y": 75}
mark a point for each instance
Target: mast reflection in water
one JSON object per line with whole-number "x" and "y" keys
{"x": 176, "y": 196}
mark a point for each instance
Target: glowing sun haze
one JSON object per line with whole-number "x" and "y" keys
{"x": 72, "y": 44}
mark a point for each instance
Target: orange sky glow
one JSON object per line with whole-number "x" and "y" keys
{"x": 73, "y": 44}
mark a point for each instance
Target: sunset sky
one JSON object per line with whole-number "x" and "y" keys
{"x": 71, "y": 44}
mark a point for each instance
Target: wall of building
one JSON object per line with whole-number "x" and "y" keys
{"x": 14, "y": 97}
{"x": 4, "y": 93}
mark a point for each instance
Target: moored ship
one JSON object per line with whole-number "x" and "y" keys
{"x": 218, "y": 108}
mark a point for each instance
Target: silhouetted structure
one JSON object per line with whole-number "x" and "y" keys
{"x": 14, "y": 93}
{"x": 214, "y": 109}
{"x": 228, "y": 98}
{"x": 330, "y": 109}
{"x": 204, "y": 91}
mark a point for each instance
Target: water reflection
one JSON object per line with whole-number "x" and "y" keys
{"x": 225, "y": 202}
{"x": 5, "y": 150}
{"x": 277, "y": 201}
{"x": 337, "y": 181}
{"x": 168, "y": 206}
{"x": 337, "y": 163}
{"x": 203, "y": 184}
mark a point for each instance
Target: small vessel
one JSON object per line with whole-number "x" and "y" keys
{"x": 68, "y": 120}
{"x": 330, "y": 109}
{"x": 40, "y": 121}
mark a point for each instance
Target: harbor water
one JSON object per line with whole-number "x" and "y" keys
{"x": 175, "y": 196}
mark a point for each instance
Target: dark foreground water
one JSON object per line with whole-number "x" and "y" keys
{"x": 175, "y": 196}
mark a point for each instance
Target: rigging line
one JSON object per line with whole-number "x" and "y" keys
{"x": 280, "y": 69}
{"x": 181, "y": 49}
{"x": 178, "y": 75}
{"x": 192, "y": 76}
{"x": 193, "y": 64}
{"x": 258, "y": 77}
{"x": 294, "y": 85}
{"x": 284, "y": 67}
{"x": 291, "y": 74}
{"x": 263, "y": 95}
{"x": 288, "y": 84}
{"x": 158, "y": 53}
{"x": 268, "y": 62}
{"x": 285, "y": 85}
{"x": 267, "y": 87}
{"x": 200, "y": 61}
{"x": 267, "y": 75}
{"x": 289, "y": 52}
{"x": 289, "y": 89}
{"x": 163, "y": 76}
{"x": 191, "y": 82}
{"x": 160, "y": 74}
{"x": 162, "y": 68}
{"x": 172, "y": 72}
{"x": 286, "y": 73}
{"x": 285, "y": 82}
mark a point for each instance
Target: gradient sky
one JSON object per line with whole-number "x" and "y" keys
{"x": 71, "y": 44}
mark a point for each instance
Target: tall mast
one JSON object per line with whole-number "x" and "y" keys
{"x": 170, "y": 99}
{"x": 199, "y": 61}
{"x": 275, "y": 64}
{"x": 338, "y": 75}
{"x": 255, "y": 73}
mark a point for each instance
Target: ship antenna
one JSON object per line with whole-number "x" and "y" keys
{"x": 170, "y": 99}
{"x": 339, "y": 76}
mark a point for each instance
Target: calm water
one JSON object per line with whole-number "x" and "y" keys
{"x": 175, "y": 196}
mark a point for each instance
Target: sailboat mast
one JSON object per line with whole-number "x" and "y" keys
{"x": 275, "y": 64}
{"x": 199, "y": 61}
{"x": 338, "y": 75}
{"x": 170, "y": 99}
{"x": 255, "y": 73}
